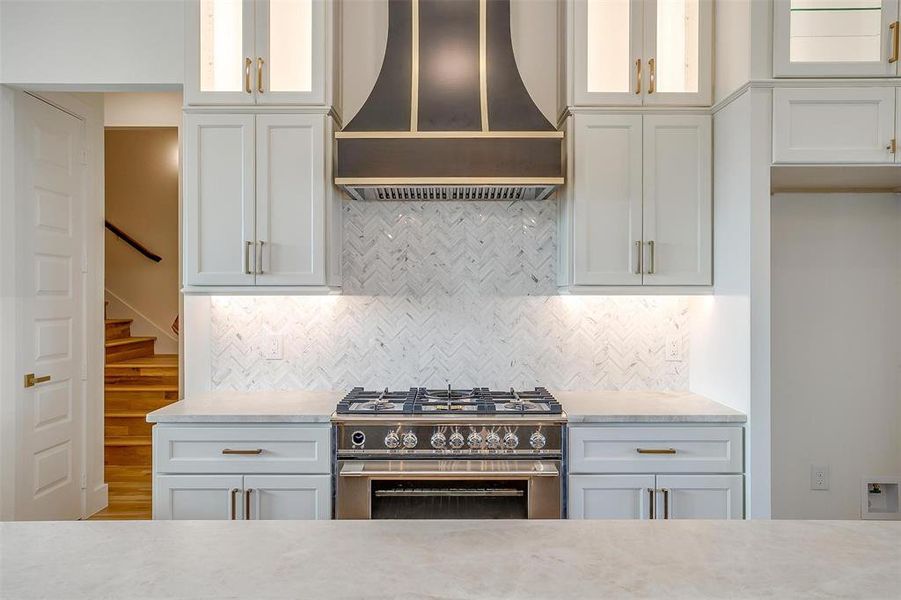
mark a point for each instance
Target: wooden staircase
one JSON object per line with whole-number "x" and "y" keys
{"x": 137, "y": 381}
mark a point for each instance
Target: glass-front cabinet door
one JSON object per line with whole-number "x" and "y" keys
{"x": 634, "y": 52}
{"x": 836, "y": 38}
{"x": 255, "y": 51}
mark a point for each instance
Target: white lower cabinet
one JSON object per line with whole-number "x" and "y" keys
{"x": 253, "y": 472}
{"x": 656, "y": 472}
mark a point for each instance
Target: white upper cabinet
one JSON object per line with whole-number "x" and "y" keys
{"x": 634, "y": 52}
{"x": 638, "y": 210}
{"x": 256, "y": 51}
{"x": 836, "y": 38}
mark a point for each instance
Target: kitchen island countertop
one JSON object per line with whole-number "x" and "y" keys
{"x": 644, "y": 407}
{"x": 449, "y": 559}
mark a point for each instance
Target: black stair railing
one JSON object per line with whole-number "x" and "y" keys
{"x": 133, "y": 242}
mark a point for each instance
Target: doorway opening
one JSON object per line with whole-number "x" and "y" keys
{"x": 141, "y": 288}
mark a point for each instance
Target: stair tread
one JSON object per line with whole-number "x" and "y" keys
{"x": 127, "y": 441}
{"x": 129, "y": 340}
{"x": 157, "y": 360}
{"x": 141, "y": 387}
{"x": 118, "y": 321}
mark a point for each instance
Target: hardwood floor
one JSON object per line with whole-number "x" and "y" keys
{"x": 137, "y": 381}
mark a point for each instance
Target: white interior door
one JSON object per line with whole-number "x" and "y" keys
{"x": 607, "y": 209}
{"x": 218, "y": 202}
{"x": 50, "y": 202}
{"x": 700, "y": 497}
{"x": 610, "y": 496}
{"x": 290, "y": 200}
{"x": 294, "y": 497}
{"x": 678, "y": 201}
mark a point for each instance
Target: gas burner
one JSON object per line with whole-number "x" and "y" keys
{"x": 450, "y": 401}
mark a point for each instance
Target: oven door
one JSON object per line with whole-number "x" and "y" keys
{"x": 448, "y": 489}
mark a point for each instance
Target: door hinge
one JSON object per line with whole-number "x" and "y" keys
{"x": 84, "y": 481}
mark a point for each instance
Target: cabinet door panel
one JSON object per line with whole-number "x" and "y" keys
{"x": 606, "y": 44}
{"x": 282, "y": 497}
{"x": 197, "y": 497}
{"x": 607, "y": 209}
{"x": 838, "y": 125}
{"x": 218, "y": 198}
{"x": 822, "y": 38}
{"x": 291, "y": 41}
{"x": 678, "y": 44}
{"x": 701, "y": 496}
{"x": 610, "y": 496}
{"x": 218, "y": 41}
{"x": 678, "y": 204}
{"x": 291, "y": 199}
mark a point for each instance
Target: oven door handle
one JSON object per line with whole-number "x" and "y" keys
{"x": 358, "y": 468}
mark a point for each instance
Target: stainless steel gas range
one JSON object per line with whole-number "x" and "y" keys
{"x": 449, "y": 454}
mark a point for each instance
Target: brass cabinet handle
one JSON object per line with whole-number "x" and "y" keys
{"x": 652, "y": 79}
{"x": 637, "y": 75}
{"x": 892, "y": 146}
{"x": 247, "y": 493}
{"x": 247, "y": 63}
{"x": 652, "y": 502}
{"x": 638, "y": 247}
{"x": 895, "y": 42}
{"x": 260, "y": 260}
{"x": 656, "y": 450}
{"x": 31, "y": 380}
{"x": 242, "y": 451}
{"x": 247, "y": 262}
{"x": 665, "y": 502}
{"x": 233, "y": 493}
{"x": 653, "y": 266}
{"x": 260, "y": 75}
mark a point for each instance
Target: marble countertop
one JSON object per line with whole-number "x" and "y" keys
{"x": 644, "y": 407}
{"x": 251, "y": 407}
{"x": 444, "y": 559}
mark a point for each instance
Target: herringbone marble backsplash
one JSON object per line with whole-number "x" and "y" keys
{"x": 449, "y": 292}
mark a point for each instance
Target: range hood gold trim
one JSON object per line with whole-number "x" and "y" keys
{"x": 385, "y": 135}
{"x": 448, "y": 180}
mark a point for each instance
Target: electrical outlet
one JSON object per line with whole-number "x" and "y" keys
{"x": 673, "y": 348}
{"x": 272, "y": 347}
{"x": 819, "y": 477}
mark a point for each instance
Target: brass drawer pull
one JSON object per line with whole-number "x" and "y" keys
{"x": 895, "y": 42}
{"x": 242, "y": 451}
{"x": 640, "y": 251}
{"x": 247, "y": 493}
{"x": 665, "y": 502}
{"x": 656, "y": 450}
{"x": 652, "y": 68}
{"x": 260, "y": 75}
{"x": 233, "y": 493}
{"x": 652, "y": 269}
{"x": 637, "y": 75}
{"x": 652, "y": 502}
{"x": 247, "y": 63}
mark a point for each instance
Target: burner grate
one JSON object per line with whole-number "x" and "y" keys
{"x": 478, "y": 400}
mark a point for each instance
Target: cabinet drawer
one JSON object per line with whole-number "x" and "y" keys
{"x": 655, "y": 450}
{"x": 241, "y": 449}
{"x": 841, "y": 125}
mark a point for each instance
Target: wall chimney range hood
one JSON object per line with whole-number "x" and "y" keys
{"x": 449, "y": 117}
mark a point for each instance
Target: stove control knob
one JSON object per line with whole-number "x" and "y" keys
{"x": 511, "y": 441}
{"x": 456, "y": 440}
{"x": 474, "y": 439}
{"x": 392, "y": 440}
{"x": 493, "y": 440}
{"x": 438, "y": 441}
{"x": 410, "y": 440}
{"x": 537, "y": 440}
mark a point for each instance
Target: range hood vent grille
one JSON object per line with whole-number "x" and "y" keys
{"x": 451, "y": 192}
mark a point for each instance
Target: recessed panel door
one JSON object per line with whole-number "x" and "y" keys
{"x": 50, "y": 200}
{"x": 700, "y": 497}
{"x": 610, "y": 496}
{"x": 294, "y": 497}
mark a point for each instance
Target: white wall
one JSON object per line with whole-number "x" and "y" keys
{"x": 836, "y": 348}
{"x": 101, "y": 43}
{"x": 732, "y": 47}
{"x": 142, "y": 109}
{"x": 533, "y": 29}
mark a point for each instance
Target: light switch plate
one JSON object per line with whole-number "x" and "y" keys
{"x": 819, "y": 477}
{"x": 673, "y": 348}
